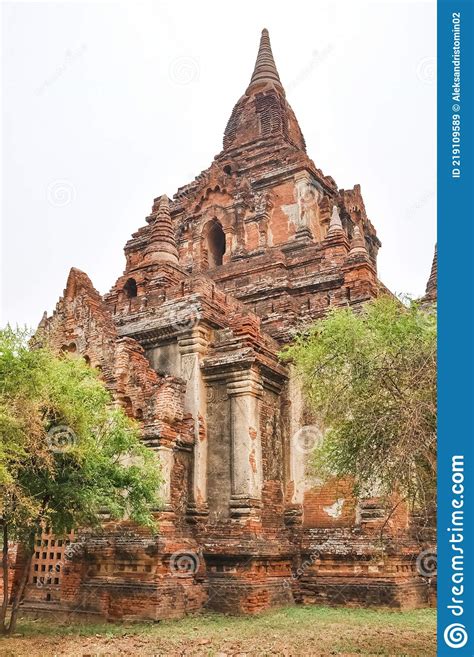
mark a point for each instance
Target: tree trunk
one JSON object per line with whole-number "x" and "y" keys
{"x": 5, "y": 566}
{"x": 30, "y": 547}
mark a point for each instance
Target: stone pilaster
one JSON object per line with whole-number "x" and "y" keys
{"x": 193, "y": 346}
{"x": 245, "y": 391}
{"x": 239, "y": 214}
{"x": 166, "y": 457}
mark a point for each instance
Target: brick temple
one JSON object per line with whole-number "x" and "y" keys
{"x": 217, "y": 280}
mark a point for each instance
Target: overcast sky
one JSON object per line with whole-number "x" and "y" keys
{"x": 108, "y": 105}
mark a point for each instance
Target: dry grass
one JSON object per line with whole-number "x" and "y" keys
{"x": 309, "y": 631}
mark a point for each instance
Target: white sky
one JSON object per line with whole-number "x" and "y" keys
{"x": 108, "y": 105}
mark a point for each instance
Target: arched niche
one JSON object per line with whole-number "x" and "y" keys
{"x": 214, "y": 243}
{"x": 68, "y": 348}
{"x": 130, "y": 288}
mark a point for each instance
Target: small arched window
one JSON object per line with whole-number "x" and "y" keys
{"x": 130, "y": 288}
{"x": 215, "y": 244}
{"x": 127, "y": 406}
{"x": 69, "y": 348}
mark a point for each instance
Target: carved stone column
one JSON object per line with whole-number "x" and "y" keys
{"x": 199, "y": 257}
{"x": 239, "y": 214}
{"x": 192, "y": 347}
{"x": 166, "y": 457}
{"x": 297, "y": 459}
{"x": 245, "y": 391}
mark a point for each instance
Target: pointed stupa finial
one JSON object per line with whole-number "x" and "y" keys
{"x": 44, "y": 320}
{"x": 265, "y": 70}
{"x": 431, "y": 286}
{"x": 164, "y": 206}
{"x": 335, "y": 225}
{"x": 268, "y": 119}
{"x": 162, "y": 245}
{"x": 358, "y": 247}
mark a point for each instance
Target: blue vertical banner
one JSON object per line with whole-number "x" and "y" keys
{"x": 455, "y": 32}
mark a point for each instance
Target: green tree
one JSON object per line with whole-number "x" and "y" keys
{"x": 370, "y": 376}
{"x": 66, "y": 454}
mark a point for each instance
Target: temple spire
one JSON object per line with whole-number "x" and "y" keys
{"x": 162, "y": 244}
{"x": 262, "y": 115}
{"x": 335, "y": 225}
{"x": 265, "y": 68}
{"x": 358, "y": 247}
{"x": 431, "y": 286}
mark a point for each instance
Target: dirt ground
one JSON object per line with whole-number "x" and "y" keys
{"x": 309, "y": 631}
